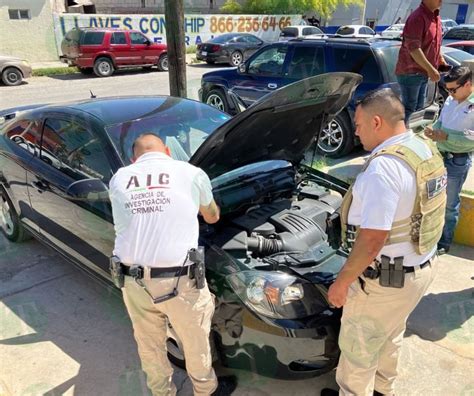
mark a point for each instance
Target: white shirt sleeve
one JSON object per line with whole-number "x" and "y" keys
{"x": 379, "y": 200}
{"x": 203, "y": 185}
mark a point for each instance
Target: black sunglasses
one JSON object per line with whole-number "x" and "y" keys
{"x": 461, "y": 84}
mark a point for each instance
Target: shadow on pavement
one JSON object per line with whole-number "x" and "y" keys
{"x": 442, "y": 315}
{"x": 461, "y": 252}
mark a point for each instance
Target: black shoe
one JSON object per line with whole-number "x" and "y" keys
{"x": 225, "y": 385}
{"x": 378, "y": 393}
{"x": 329, "y": 392}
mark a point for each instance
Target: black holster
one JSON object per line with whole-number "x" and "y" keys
{"x": 116, "y": 271}
{"x": 392, "y": 273}
{"x": 199, "y": 272}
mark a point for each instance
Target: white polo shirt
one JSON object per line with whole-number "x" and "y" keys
{"x": 155, "y": 203}
{"x": 385, "y": 192}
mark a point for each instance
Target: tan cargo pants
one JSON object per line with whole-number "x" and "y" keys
{"x": 372, "y": 328}
{"x": 190, "y": 315}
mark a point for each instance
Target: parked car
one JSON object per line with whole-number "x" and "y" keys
{"x": 355, "y": 31}
{"x": 271, "y": 257}
{"x": 103, "y": 50}
{"x": 447, "y": 24}
{"x": 393, "y": 31}
{"x": 280, "y": 64}
{"x": 459, "y": 33}
{"x": 453, "y": 57}
{"x": 14, "y": 70}
{"x": 466, "y": 46}
{"x": 232, "y": 48}
{"x": 298, "y": 31}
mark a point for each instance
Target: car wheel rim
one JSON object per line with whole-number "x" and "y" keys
{"x": 216, "y": 101}
{"x": 6, "y": 220}
{"x": 164, "y": 63}
{"x": 174, "y": 350}
{"x": 104, "y": 68}
{"x": 331, "y": 137}
{"x": 236, "y": 58}
{"x": 12, "y": 77}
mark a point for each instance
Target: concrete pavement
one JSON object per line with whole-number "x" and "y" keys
{"x": 64, "y": 333}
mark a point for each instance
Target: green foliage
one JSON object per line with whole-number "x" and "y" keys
{"x": 323, "y": 8}
{"x": 191, "y": 49}
{"x": 231, "y": 7}
{"x": 54, "y": 71}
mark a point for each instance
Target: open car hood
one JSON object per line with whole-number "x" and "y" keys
{"x": 281, "y": 126}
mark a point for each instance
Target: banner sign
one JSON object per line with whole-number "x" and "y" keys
{"x": 197, "y": 28}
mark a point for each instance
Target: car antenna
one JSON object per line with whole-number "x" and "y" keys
{"x": 92, "y": 94}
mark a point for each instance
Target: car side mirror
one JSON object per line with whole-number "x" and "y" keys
{"x": 88, "y": 190}
{"x": 148, "y": 42}
{"x": 242, "y": 68}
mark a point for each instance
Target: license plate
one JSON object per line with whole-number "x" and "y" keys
{"x": 204, "y": 53}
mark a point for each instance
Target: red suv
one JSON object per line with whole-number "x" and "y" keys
{"x": 103, "y": 50}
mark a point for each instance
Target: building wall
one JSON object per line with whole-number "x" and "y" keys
{"x": 32, "y": 39}
{"x": 386, "y": 12}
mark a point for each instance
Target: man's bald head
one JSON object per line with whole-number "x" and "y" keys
{"x": 148, "y": 143}
{"x": 385, "y": 104}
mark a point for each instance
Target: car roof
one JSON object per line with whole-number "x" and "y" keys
{"x": 115, "y": 110}
{"x": 374, "y": 42}
{"x": 104, "y": 29}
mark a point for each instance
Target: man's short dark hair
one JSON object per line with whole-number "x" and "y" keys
{"x": 140, "y": 136}
{"x": 460, "y": 74}
{"x": 385, "y": 103}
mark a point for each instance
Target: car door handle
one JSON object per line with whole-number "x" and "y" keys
{"x": 40, "y": 185}
{"x": 272, "y": 86}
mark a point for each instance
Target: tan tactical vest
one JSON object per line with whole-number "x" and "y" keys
{"x": 425, "y": 225}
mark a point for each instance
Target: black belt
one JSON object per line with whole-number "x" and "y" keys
{"x": 166, "y": 272}
{"x": 374, "y": 273}
{"x": 449, "y": 155}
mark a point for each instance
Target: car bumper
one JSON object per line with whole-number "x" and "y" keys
{"x": 27, "y": 71}
{"x": 286, "y": 350}
{"x": 421, "y": 118}
{"x": 210, "y": 57}
{"x": 79, "y": 62}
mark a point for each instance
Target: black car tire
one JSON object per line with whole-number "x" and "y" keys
{"x": 9, "y": 220}
{"x": 236, "y": 58}
{"x": 163, "y": 63}
{"x": 175, "y": 355}
{"x": 87, "y": 71}
{"x": 210, "y": 62}
{"x": 11, "y": 76}
{"x": 337, "y": 139}
{"x": 216, "y": 98}
{"x": 103, "y": 67}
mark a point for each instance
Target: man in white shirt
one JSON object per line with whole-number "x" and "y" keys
{"x": 454, "y": 136}
{"x": 376, "y": 304}
{"x": 155, "y": 203}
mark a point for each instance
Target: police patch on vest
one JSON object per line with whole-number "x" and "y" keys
{"x": 436, "y": 186}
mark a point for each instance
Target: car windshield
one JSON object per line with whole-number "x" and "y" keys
{"x": 460, "y": 34}
{"x": 183, "y": 127}
{"x": 345, "y": 31}
{"x": 395, "y": 28}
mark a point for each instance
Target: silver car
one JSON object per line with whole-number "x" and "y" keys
{"x": 14, "y": 70}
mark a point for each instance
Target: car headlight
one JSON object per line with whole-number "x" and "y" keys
{"x": 277, "y": 294}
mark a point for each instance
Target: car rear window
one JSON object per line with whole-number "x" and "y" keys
{"x": 361, "y": 61}
{"x": 311, "y": 30}
{"x": 73, "y": 36}
{"x": 460, "y": 34}
{"x": 345, "y": 31}
{"x": 92, "y": 38}
{"x": 118, "y": 38}
{"x": 289, "y": 32}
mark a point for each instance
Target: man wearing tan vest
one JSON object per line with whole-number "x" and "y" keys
{"x": 392, "y": 218}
